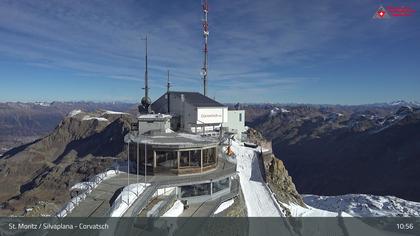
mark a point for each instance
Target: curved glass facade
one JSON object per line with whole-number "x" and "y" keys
{"x": 179, "y": 161}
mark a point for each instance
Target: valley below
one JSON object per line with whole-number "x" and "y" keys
{"x": 336, "y": 150}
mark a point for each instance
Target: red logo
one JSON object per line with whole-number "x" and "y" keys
{"x": 385, "y": 13}
{"x": 381, "y": 13}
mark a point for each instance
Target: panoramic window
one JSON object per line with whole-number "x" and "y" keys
{"x": 195, "y": 190}
{"x": 209, "y": 156}
{"x": 148, "y": 153}
{"x": 166, "y": 159}
{"x": 220, "y": 185}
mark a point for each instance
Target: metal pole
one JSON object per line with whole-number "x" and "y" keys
{"x": 128, "y": 169}
{"x": 146, "y": 77}
{"x": 137, "y": 165}
{"x": 205, "y": 34}
{"x": 167, "y": 93}
{"x": 145, "y": 162}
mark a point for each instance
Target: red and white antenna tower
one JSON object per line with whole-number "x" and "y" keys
{"x": 204, "y": 71}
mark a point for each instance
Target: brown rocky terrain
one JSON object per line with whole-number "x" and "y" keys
{"x": 79, "y": 147}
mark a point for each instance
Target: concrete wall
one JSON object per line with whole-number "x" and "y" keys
{"x": 158, "y": 125}
{"x": 236, "y": 122}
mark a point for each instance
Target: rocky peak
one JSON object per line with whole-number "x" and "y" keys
{"x": 77, "y": 148}
{"x": 276, "y": 175}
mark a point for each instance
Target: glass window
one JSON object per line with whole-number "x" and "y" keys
{"x": 166, "y": 159}
{"x": 184, "y": 159}
{"x": 195, "y": 158}
{"x": 220, "y": 185}
{"x": 240, "y": 117}
{"x": 209, "y": 156}
{"x": 190, "y": 158}
{"x": 195, "y": 190}
{"x": 148, "y": 153}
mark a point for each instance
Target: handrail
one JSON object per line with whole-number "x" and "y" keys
{"x": 92, "y": 183}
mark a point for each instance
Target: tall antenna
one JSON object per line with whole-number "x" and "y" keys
{"x": 204, "y": 70}
{"x": 145, "y": 101}
{"x": 168, "y": 86}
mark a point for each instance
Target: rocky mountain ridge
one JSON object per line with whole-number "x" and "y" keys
{"x": 341, "y": 150}
{"x": 80, "y": 146}
{"x": 21, "y": 123}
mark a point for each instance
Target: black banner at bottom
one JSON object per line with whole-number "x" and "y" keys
{"x": 266, "y": 226}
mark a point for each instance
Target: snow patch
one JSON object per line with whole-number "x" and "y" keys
{"x": 154, "y": 116}
{"x": 276, "y": 110}
{"x": 115, "y": 113}
{"x": 126, "y": 198}
{"x": 95, "y": 118}
{"x": 299, "y": 211}
{"x": 169, "y": 131}
{"x": 224, "y": 206}
{"x": 176, "y": 210}
{"x": 43, "y": 104}
{"x": 74, "y": 112}
{"x": 363, "y": 205}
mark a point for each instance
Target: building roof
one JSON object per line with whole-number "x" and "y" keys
{"x": 151, "y": 117}
{"x": 193, "y": 98}
{"x": 172, "y": 140}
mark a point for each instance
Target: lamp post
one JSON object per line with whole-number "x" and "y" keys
{"x": 128, "y": 169}
{"x": 137, "y": 165}
{"x": 145, "y": 162}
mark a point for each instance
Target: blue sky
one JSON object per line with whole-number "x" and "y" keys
{"x": 259, "y": 51}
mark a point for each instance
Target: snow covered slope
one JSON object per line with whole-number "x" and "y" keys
{"x": 365, "y": 205}
{"x": 258, "y": 199}
{"x": 298, "y": 211}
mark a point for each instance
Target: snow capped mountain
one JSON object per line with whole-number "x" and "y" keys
{"x": 43, "y": 104}
{"x": 363, "y": 205}
{"x": 404, "y": 103}
{"x": 277, "y": 110}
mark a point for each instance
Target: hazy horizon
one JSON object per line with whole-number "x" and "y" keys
{"x": 246, "y": 103}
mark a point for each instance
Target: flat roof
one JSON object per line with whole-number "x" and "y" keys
{"x": 193, "y": 98}
{"x": 172, "y": 140}
{"x": 154, "y": 116}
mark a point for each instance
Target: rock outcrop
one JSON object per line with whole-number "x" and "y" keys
{"x": 276, "y": 175}
{"x": 82, "y": 145}
{"x": 281, "y": 183}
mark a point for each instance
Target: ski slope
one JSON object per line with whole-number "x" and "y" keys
{"x": 258, "y": 199}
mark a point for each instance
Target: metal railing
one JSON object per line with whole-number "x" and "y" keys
{"x": 91, "y": 184}
{"x": 147, "y": 192}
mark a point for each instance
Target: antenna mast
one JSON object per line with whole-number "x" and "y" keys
{"x": 145, "y": 101}
{"x": 206, "y": 35}
{"x": 168, "y": 86}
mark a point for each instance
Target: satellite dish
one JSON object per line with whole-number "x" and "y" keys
{"x": 203, "y": 72}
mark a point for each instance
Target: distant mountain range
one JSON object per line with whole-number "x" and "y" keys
{"x": 335, "y": 150}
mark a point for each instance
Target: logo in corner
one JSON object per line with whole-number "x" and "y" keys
{"x": 381, "y": 13}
